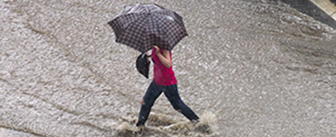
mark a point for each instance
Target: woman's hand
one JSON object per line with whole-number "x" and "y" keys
{"x": 164, "y": 57}
{"x": 157, "y": 50}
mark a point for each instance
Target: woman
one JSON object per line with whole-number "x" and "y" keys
{"x": 164, "y": 81}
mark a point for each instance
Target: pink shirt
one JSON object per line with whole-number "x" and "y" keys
{"x": 163, "y": 76}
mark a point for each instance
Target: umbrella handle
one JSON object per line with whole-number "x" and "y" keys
{"x": 148, "y": 53}
{"x": 143, "y": 55}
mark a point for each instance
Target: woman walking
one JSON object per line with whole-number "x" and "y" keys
{"x": 164, "y": 81}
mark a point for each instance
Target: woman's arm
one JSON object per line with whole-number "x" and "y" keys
{"x": 164, "y": 57}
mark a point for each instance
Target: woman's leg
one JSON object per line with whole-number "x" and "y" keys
{"x": 173, "y": 96}
{"x": 153, "y": 92}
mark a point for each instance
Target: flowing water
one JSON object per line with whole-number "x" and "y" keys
{"x": 247, "y": 68}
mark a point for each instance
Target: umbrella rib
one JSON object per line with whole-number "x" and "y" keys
{"x": 130, "y": 21}
{"x": 163, "y": 25}
{"x": 136, "y": 28}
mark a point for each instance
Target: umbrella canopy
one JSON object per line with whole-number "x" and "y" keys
{"x": 143, "y": 26}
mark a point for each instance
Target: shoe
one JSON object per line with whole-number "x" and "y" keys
{"x": 195, "y": 121}
{"x": 138, "y": 124}
{"x": 203, "y": 128}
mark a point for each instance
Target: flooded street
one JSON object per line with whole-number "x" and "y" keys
{"x": 248, "y": 67}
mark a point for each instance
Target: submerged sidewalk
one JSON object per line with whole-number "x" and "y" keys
{"x": 328, "y": 7}
{"x": 321, "y": 10}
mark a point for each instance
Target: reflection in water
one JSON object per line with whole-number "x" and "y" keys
{"x": 260, "y": 67}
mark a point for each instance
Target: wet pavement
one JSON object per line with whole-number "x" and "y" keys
{"x": 248, "y": 68}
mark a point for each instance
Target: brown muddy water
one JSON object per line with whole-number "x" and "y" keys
{"x": 248, "y": 68}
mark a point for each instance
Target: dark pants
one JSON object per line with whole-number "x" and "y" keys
{"x": 171, "y": 92}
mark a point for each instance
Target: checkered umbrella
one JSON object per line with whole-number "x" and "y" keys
{"x": 143, "y": 26}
